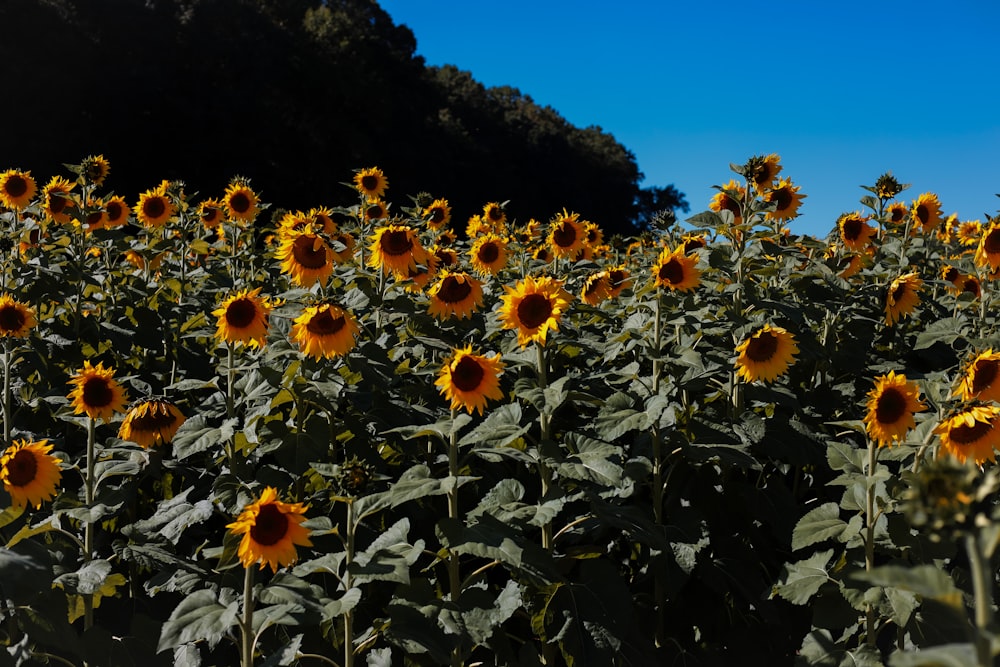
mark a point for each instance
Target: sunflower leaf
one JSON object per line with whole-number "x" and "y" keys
{"x": 817, "y": 525}
{"x": 499, "y": 429}
{"x": 802, "y": 580}
{"x": 198, "y": 617}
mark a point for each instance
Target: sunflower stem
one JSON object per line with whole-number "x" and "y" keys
{"x": 658, "y": 588}
{"x": 6, "y": 392}
{"x": 348, "y": 582}
{"x": 982, "y": 581}
{"x": 88, "y": 527}
{"x": 544, "y": 426}
{"x": 454, "y": 580}
{"x": 870, "y": 519}
{"x": 247, "y": 624}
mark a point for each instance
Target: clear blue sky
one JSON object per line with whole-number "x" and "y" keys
{"x": 842, "y": 91}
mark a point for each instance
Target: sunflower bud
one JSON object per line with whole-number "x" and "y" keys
{"x": 948, "y": 498}
{"x": 887, "y": 187}
{"x": 355, "y": 477}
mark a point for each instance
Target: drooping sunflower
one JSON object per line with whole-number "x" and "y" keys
{"x": 488, "y": 255}
{"x": 567, "y": 235}
{"x": 325, "y": 331}
{"x": 57, "y": 199}
{"x": 445, "y": 238}
{"x": 902, "y": 297}
{"x": 692, "y": 242}
{"x": 494, "y": 215}
{"x": 596, "y": 288}
{"x": 926, "y": 211}
{"x": 970, "y": 285}
{"x": 155, "y": 208}
{"x": 981, "y": 379}
{"x": 619, "y": 279}
{"x": 676, "y": 271}
{"x": 437, "y": 214}
{"x": 271, "y": 529}
{"x": 117, "y": 210}
{"x": 371, "y": 182}
{"x": 533, "y": 306}
{"x": 343, "y": 247}
{"x": 305, "y": 257}
{"x": 447, "y": 257}
{"x": 16, "y": 318}
{"x": 243, "y": 318}
{"x": 971, "y": 432}
{"x": 896, "y": 213}
{"x": 30, "y": 474}
{"x": 210, "y": 212}
{"x": 766, "y": 354}
{"x": 787, "y": 200}
{"x": 454, "y": 295}
{"x": 762, "y": 170}
{"x": 468, "y": 380}
{"x": 855, "y": 231}
{"x": 396, "y": 248}
{"x": 151, "y": 422}
{"x": 95, "y": 169}
{"x": 891, "y": 406}
{"x": 241, "y": 202}
{"x": 375, "y": 209}
{"x": 988, "y": 250}
{"x": 730, "y": 198}
{"x": 17, "y": 189}
{"x": 96, "y": 393}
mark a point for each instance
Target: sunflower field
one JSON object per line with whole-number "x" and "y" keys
{"x": 363, "y": 433}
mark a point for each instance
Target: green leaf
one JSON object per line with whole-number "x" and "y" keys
{"x": 502, "y": 427}
{"x": 817, "y": 525}
{"x": 286, "y": 655}
{"x": 802, "y": 580}
{"x": 946, "y": 655}
{"x": 924, "y": 580}
{"x": 198, "y": 617}
{"x": 389, "y": 557}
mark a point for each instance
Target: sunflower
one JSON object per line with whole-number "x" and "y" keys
{"x": 596, "y": 288}
{"x": 325, "y": 330}
{"x": 438, "y": 214}
{"x": 242, "y": 318}
{"x": 476, "y": 226}
{"x": 118, "y": 212}
{"x": 970, "y": 285}
{"x": 950, "y": 274}
{"x": 445, "y": 238}
{"x": 981, "y": 380}
{"x": 852, "y": 264}
{"x": 968, "y": 232}
{"x": 901, "y": 298}
{"x": 766, "y": 354}
{"x": 210, "y": 213}
{"x": 488, "y": 255}
{"x": 468, "y": 380}
{"x": 972, "y": 431}
{"x": 926, "y": 210}
{"x": 17, "y": 189}
{"x": 97, "y": 215}
{"x": 16, "y": 318}
{"x": 692, "y": 242}
{"x": 96, "y": 393}
{"x": 494, "y": 215}
{"x": 567, "y": 235}
{"x": 240, "y": 202}
{"x": 988, "y": 250}
{"x": 730, "y": 198}
{"x": 455, "y": 295}
{"x": 154, "y": 208}
{"x": 543, "y": 254}
{"x": 619, "y": 279}
{"x": 891, "y": 406}
{"x": 896, "y": 213}
{"x": 30, "y": 474}
{"x": 396, "y": 248}
{"x": 343, "y": 247}
{"x": 786, "y": 199}
{"x": 855, "y": 231}
{"x": 375, "y": 209}
{"x": 533, "y": 307}
{"x": 371, "y": 182}
{"x": 305, "y": 257}
{"x": 447, "y": 257}
{"x": 95, "y": 169}
{"x": 423, "y": 274}
{"x": 270, "y": 530}
{"x": 762, "y": 170}
{"x": 676, "y": 270}
{"x": 57, "y": 199}
{"x": 151, "y": 422}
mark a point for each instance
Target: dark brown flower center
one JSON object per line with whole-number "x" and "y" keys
{"x": 369, "y": 182}
{"x": 374, "y": 212}
{"x": 971, "y": 285}
{"x": 672, "y": 272}
{"x": 951, "y": 274}
{"x": 992, "y": 242}
{"x": 115, "y": 211}
{"x": 325, "y": 324}
{"x": 564, "y": 235}
{"x": 11, "y": 318}
{"x": 453, "y": 290}
{"x": 782, "y": 197}
{"x": 896, "y": 216}
{"x": 533, "y": 310}
{"x": 240, "y": 202}
{"x": 966, "y": 435}
{"x": 495, "y": 214}
{"x": 592, "y": 285}
{"x": 437, "y": 215}
{"x": 155, "y": 418}
{"x": 58, "y": 201}
{"x": 852, "y": 229}
{"x": 467, "y": 374}
{"x": 95, "y": 218}
{"x": 447, "y": 258}
{"x": 21, "y": 469}
{"x": 16, "y": 185}
{"x": 617, "y": 277}
{"x": 270, "y": 526}
{"x": 97, "y": 392}
{"x": 984, "y": 373}
{"x": 891, "y": 406}
{"x": 154, "y": 207}
{"x": 693, "y": 244}
{"x": 761, "y": 348}
{"x": 210, "y": 215}
{"x": 395, "y": 243}
{"x": 731, "y": 205}
{"x": 241, "y": 313}
{"x": 898, "y": 292}
{"x": 308, "y": 252}
{"x": 488, "y": 252}
{"x": 923, "y": 214}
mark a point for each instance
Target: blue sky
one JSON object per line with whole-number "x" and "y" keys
{"x": 842, "y": 91}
